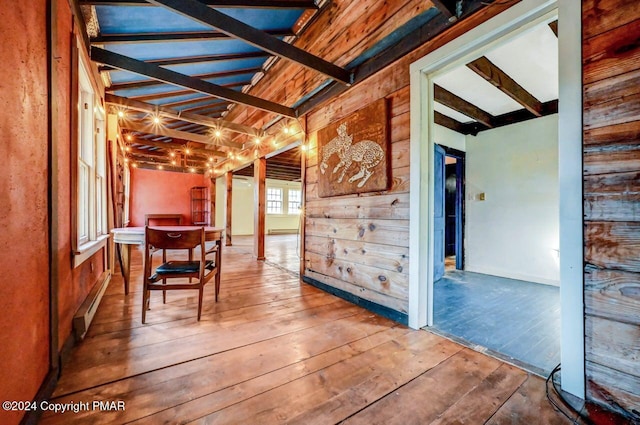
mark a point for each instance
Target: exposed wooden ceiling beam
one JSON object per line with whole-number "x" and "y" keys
{"x": 208, "y": 108}
{"x": 163, "y": 131}
{"x": 449, "y": 123}
{"x": 202, "y": 13}
{"x": 196, "y": 100}
{"x": 503, "y": 82}
{"x": 158, "y": 37}
{"x": 211, "y": 75}
{"x": 184, "y": 116}
{"x": 447, "y": 8}
{"x": 554, "y": 27}
{"x": 171, "y": 146}
{"x": 456, "y": 103}
{"x": 199, "y": 59}
{"x": 548, "y": 108}
{"x": 251, "y": 4}
{"x": 166, "y": 166}
{"x": 160, "y": 154}
{"x": 162, "y": 74}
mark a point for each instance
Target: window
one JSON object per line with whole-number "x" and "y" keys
{"x": 274, "y": 200}
{"x": 91, "y": 186}
{"x": 295, "y": 201}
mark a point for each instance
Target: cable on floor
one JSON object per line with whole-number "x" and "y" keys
{"x": 576, "y": 414}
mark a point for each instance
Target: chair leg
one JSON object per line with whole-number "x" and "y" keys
{"x": 164, "y": 292}
{"x": 200, "y": 302}
{"x": 145, "y": 302}
{"x": 164, "y": 281}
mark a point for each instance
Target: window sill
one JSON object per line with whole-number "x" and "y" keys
{"x": 87, "y": 249}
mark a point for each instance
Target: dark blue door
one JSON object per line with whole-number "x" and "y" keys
{"x": 438, "y": 213}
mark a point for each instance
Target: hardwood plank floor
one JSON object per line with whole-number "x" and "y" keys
{"x": 274, "y": 351}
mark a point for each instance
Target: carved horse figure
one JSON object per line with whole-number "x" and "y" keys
{"x": 336, "y": 146}
{"x": 367, "y": 153}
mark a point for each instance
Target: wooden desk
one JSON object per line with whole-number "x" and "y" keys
{"x": 176, "y": 217}
{"x": 128, "y": 236}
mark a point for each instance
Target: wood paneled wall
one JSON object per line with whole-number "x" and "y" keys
{"x": 611, "y": 78}
{"x": 359, "y": 244}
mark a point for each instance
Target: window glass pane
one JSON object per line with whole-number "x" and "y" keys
{"x": 295, "y": 201}
{"x": 83, "y": 200}
{"x": 274, "y": 200}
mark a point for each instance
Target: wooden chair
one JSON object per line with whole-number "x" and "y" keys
{"x": 200, "y": 269}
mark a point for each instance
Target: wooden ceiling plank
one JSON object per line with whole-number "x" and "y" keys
{"x": 456, "y": 103}
{"x": 162, "y": 74}
{"x": 153, "y": 82}
{"x": 202, "y": 13}
{"x": 185, "y": 116}
{"x": 251, "y": 4}
{"x": 503, "y": 82}
{"x": 157, "y": 37}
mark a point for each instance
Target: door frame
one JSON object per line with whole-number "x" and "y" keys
{"x": 461, "y": 163}
{"x": 469, "y": 46}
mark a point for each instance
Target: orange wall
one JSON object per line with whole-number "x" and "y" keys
{"x": 24, "y": 293}
{"x": 73, "y": 284}
{"x": 161, "y": 192}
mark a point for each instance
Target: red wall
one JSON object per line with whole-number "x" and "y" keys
{"x": 161, "y": 192}
{"x": 73, "y": 284}
{"x": 24, "y": 288}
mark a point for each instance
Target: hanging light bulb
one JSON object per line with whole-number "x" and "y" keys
{"x": 134, "y": 165}
{"x": 173, "y": 162}
{"x": 217, "y": 133}
{"x": 120, "y": 114}
{"x": 172, "y": 154}
{"x": 187, "y": 151}
{"x": 303, "y": 147}
{"x": 129, "y": 137}
{"x": 256, "y": 140}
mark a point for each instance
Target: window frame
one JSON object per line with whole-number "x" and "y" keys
{"x": 271, "y": 202}
{"x": 89, "y": 167}
{"x": 297, "y": 201}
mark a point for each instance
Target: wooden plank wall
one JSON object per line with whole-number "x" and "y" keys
{"x": 611, "y": 78}
{"x": 360, "y": 243}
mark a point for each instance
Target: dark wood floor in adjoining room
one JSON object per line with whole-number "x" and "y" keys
{"x": 274, "y": 351}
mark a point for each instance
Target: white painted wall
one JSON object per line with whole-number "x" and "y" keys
{"x": 243, "y": 206}
{"x": 445, "y": 137}
{"x": 221, "y": 194}
{"x": 514, "y": 232}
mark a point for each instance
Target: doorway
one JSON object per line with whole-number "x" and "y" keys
{"x": 518, "y": 18}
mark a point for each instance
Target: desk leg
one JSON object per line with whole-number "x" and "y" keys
{"x": 125, "y": 249}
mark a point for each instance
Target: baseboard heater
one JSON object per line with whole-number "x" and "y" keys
{"x": 282, "y": 231}
{"x": 87, "y": 310}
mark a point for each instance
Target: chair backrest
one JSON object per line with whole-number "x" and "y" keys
{"x": 174, "y": 239}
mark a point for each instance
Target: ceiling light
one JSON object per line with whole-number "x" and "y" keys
{"x": 160, "y": 167}
{"x": 129, "y": 137}
{"x": 134, "y": 165}
{"x": 121, "y": 114}
{"x": 217, "y": 133}
{"x": 256, "y": 140}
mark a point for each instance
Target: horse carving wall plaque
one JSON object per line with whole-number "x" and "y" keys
{"x": 353, "y": 153}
